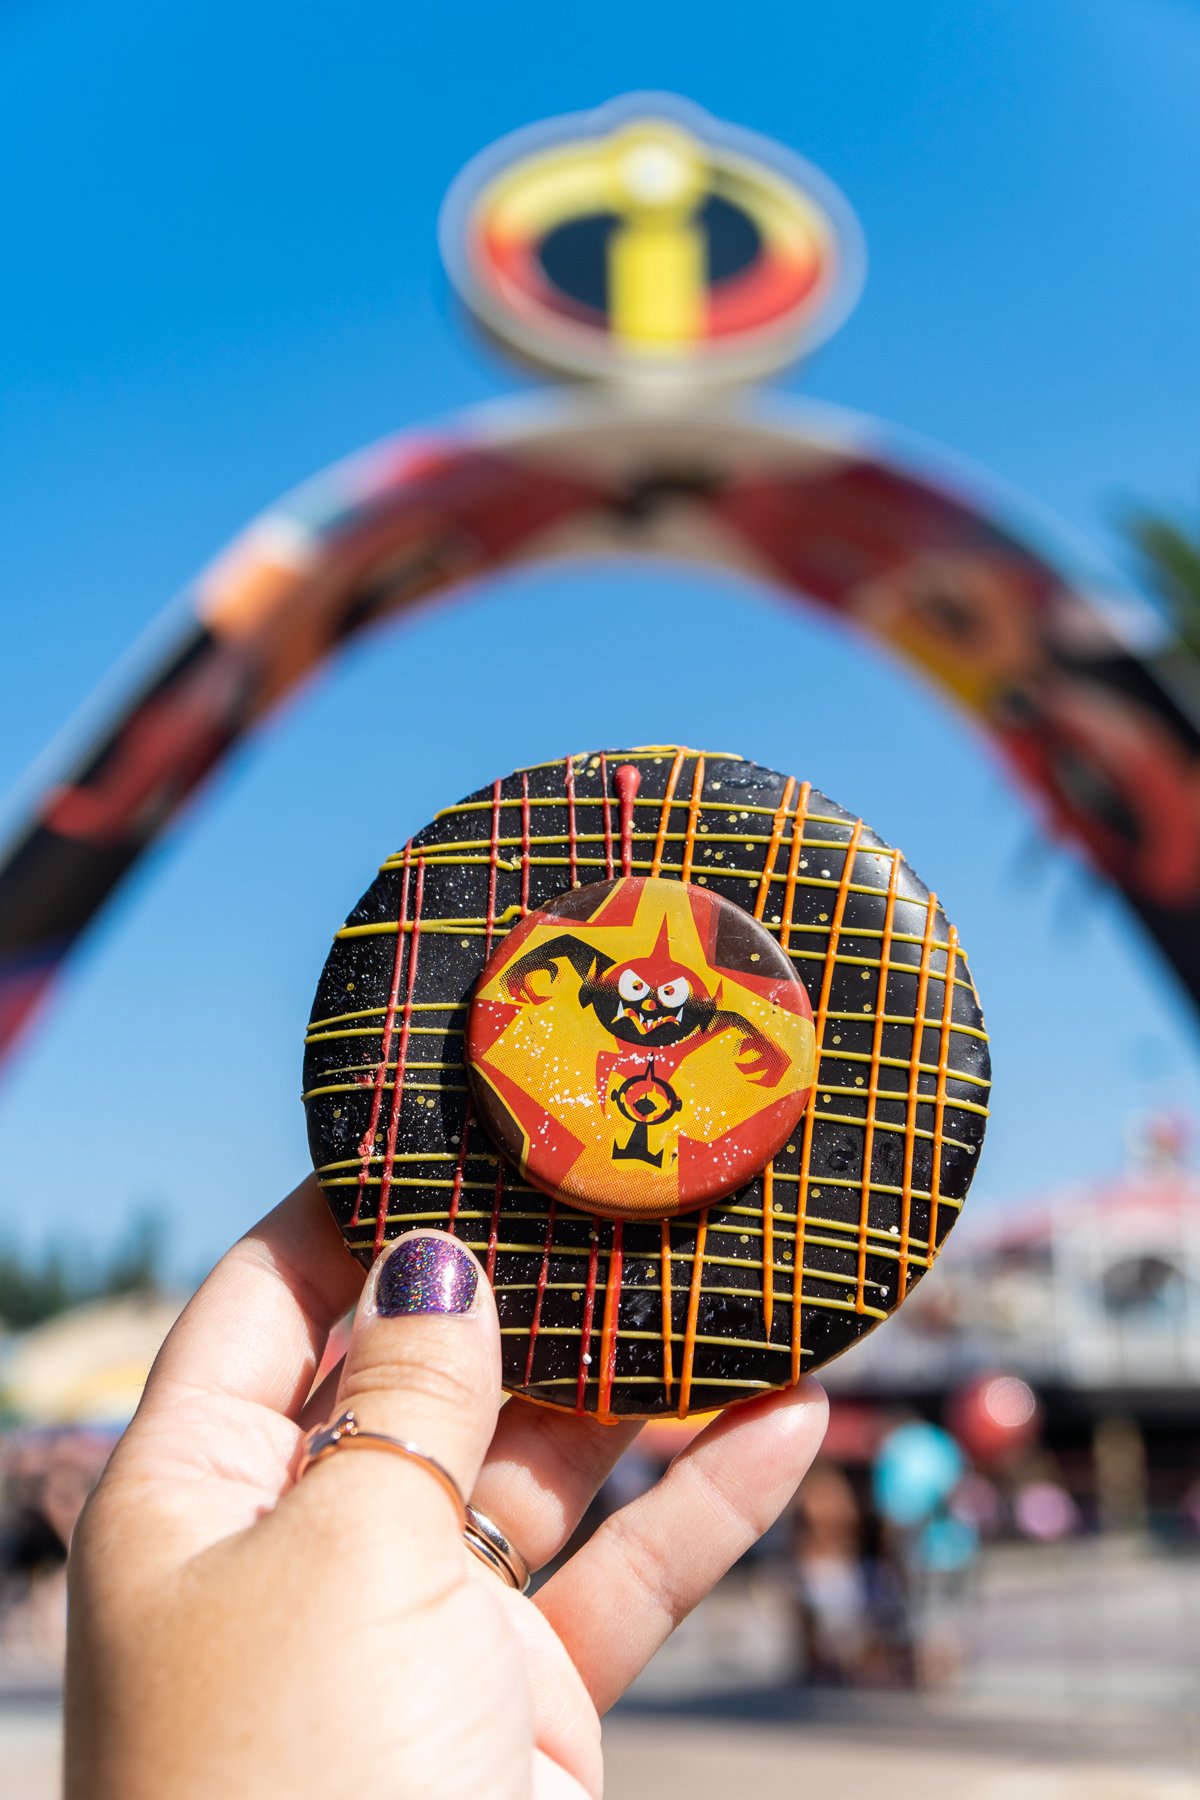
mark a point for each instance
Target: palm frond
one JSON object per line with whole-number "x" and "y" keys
{"x": 1168, "y": 554}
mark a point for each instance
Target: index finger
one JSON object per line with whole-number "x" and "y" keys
{"x": 257, "y": 1328}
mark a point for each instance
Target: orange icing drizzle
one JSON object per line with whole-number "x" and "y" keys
{"x": 864, "y": 1204}
{"x": 611, "y": 1325}
{"x": 789, "y": 890}
{"x": 693, "y": 821}
{"x": 660, "y": 841}
{"x": 939, "y": 1110}
{"x": 764, "y": 886}
{"x": 910, "y": 1117}
{"x": 667, "y": 1323}
{"x": 693, "y": 1313}
{"x": 835, "y": 927}
{"x": 768, "y": 1248}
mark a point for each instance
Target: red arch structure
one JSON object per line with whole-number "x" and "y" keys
{"x": 1106, "y": 737}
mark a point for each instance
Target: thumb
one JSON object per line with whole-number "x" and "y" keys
{"x": 423, "y": 1366}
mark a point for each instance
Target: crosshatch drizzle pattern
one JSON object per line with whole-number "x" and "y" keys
{"x": 715, "y": 1305}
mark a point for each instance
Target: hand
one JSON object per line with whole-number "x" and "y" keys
{"x": 235, "y": 1635}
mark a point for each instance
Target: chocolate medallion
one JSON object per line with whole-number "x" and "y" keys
{"x": 640, "y": 1047}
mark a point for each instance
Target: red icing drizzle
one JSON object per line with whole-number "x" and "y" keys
{"x": 612, "y": 1303}
{"x": 585, "y": 1336}
{"x": 494, "y": 1227}
{"x": 459, "y": 1167}
{"x": 414, "y": 944}
{"x": 366, "y": 1143}
{"x": 628, "y": 780}
{"x": 493, "y": 860}
{"x": 608, "y": 832}
{"x": 543, "y": 1277}
{"x": 572, "y": 836}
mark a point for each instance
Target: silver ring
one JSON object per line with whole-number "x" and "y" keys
{"x": 485, "y": 1540}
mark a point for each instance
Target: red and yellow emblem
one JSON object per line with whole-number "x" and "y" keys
{"x": 649, "y": 239}
{"x": 640, "y": 1047}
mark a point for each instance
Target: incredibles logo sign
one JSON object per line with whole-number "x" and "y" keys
{"x": 648, "y": 239}
{"x": 640, "y": 1047}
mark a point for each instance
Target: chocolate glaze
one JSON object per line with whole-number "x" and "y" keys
{"x": 587, "y": 1322}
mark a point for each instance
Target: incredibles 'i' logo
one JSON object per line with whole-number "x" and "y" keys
{"x": 648, "y": 240}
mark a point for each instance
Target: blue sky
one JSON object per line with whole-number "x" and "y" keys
{"x": 219, "y": 222}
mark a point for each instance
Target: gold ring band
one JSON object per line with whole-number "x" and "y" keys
{"x": 483, "y": 1537}
{"x": 345, "y": 1433}
{"x": 485, "y": 1540}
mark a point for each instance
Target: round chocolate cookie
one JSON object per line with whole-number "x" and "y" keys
{"x": 690, "y": 1058}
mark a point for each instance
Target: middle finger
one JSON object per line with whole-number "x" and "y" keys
{"x": 542, "y": 1472}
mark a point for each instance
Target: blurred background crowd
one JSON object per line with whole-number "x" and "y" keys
{"x": 1033, "y": 1403}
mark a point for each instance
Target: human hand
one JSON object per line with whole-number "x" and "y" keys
{"x": 234, "y": 1634}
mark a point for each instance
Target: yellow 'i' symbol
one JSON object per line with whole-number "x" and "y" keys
{"x": 657, "y": 266}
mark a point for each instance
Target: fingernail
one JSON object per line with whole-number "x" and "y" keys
{"x": 426, "y": 1275}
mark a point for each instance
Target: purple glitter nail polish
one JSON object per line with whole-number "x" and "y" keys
{"x": 426, "y": 1275}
